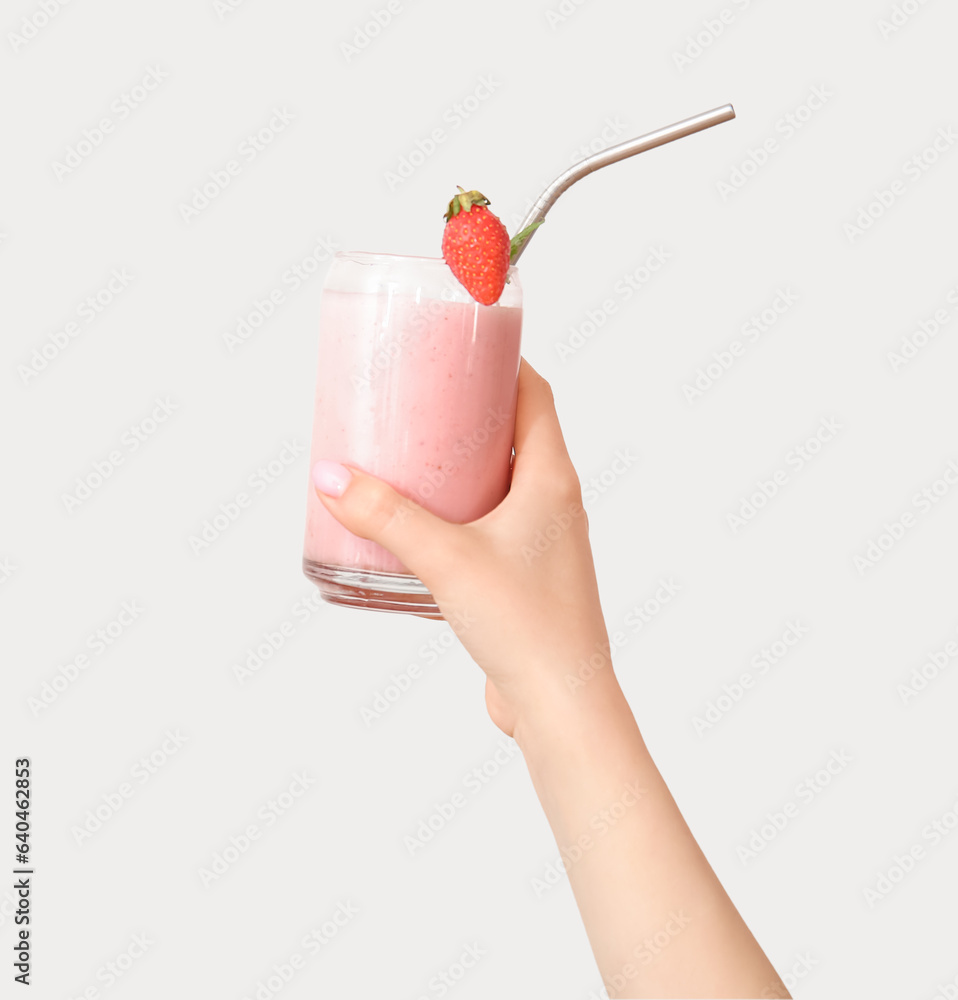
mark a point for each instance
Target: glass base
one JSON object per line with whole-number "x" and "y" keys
{"x": 375, "y": 590}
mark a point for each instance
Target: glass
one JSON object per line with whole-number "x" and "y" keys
{"x": 416, "y": 385}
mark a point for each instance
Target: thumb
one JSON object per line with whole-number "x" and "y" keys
{"x": 371, "y": 508}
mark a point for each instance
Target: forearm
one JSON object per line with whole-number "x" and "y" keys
{"x": 659, "y": 922}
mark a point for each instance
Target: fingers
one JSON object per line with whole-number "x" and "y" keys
{"x": 429, "y": 546}
{"x": 541, "y": 453}
{"x": 372, "y": 509}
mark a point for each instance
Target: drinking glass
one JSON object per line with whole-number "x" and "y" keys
{"x": 416, "y": 385}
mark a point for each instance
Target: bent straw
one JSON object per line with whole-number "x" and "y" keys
{"x": 612, "y": 155}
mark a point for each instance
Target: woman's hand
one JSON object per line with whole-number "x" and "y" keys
{"x": 519, "y": 588}
{"x": 518, "y": 585}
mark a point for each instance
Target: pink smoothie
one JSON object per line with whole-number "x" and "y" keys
{"x": 423, "y": 396}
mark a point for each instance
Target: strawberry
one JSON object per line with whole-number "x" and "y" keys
{"x": 476, "y": 246}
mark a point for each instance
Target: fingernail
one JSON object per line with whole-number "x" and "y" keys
{"x": 331, "y": 478}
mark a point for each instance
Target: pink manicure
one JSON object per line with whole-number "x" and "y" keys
{"x": 331, "y": 478}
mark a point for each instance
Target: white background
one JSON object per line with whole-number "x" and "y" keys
{"x": 558, "y": 82}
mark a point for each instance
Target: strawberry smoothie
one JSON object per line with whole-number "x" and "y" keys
{"x": 421, "y": 392}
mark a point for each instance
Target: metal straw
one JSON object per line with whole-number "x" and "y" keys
{"x": 614, "y": 153}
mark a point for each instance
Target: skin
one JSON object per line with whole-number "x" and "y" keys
{"x": 659, "y": 922}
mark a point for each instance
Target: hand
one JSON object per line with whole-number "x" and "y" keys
{"x": 518, "y": 585}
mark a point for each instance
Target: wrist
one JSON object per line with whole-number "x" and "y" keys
{"x": 566, "y": 711}
{"x": 585, "y": 756}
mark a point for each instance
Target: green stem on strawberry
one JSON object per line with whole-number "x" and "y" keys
{"x": 464, "y": 201}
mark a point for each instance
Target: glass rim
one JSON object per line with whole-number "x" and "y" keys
{"x": 373, "y": 257}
